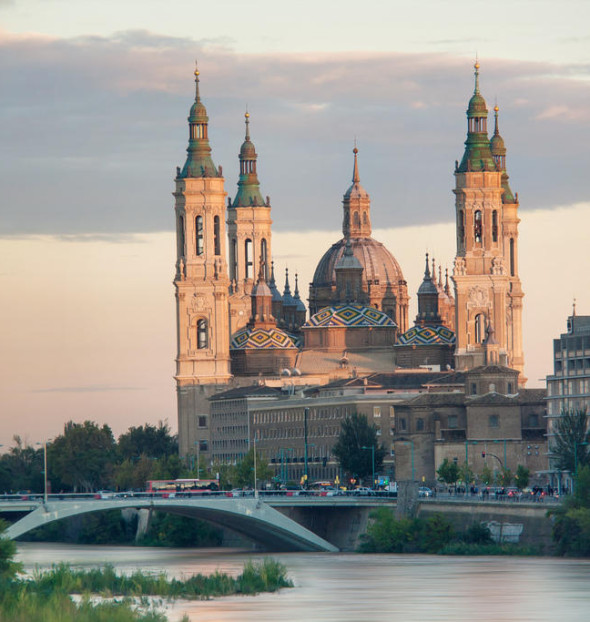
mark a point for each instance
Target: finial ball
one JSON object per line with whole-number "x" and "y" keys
{"x": 355, "y": 151}
{"x": 196, "y": 72}
{"x": 476, "y": 65}
{"x": 496, "y": 108}
{"x": 247, "y": 115}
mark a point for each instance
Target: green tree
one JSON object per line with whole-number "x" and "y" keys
{"x": 147, "y": 440}
{"x": 571, "y": 526}
{"x": 504, "y": 477}
{"x": 522, "y": 476}
{"x": 572, "y": 440}
{"x": 21, "y": 468}
{"x": 466, "y": 474}
{"x": 83, "y": 456}
{"x": 355, "y": 434}
{"x": 244, "y": 471}
{"x": 487, "y": 475}
{"x": 8, "y": 567}
{"x": 448, "y": 472}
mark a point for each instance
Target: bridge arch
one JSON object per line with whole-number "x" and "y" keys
{"x": 250, "y": 517}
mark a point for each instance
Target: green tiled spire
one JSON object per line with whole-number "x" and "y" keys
{"x": 248, "y": 185}
{"x": 198, "y": 162}
{"x": 477, "y": 154}
{"x": 498, "y": 150}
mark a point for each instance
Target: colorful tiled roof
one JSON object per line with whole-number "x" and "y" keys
{"x": 349, "y": 315}
{"x": 426, "y": 336}
{"x": 260, "y": 338}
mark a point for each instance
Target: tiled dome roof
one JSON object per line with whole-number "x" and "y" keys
{"x": 260, "y": 338}
{"x": 426, "y": 336}
{"x": 349, "y": 315}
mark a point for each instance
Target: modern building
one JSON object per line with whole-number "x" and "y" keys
{"x": 235, "y": 330}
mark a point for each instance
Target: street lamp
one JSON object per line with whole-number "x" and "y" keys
{"x": 372, "y": 448}
{"x": 44, "y": 443}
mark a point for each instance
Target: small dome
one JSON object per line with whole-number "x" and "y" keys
{"x": 260, "y": 339}
{"x": 198, "y": 112}
{"x": 426, "y": 336}
{"x": 497, "y": 145}
{"x": 261, "y": 289}
{"x": 247, "y": 150}
{"x": 427, "y": 287}
{"x": 477, "y": 106}
{"x": 379, "y": 265}
{"x": 349, "y": 315}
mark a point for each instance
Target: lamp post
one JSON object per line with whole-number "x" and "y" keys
{"x": 372, "y": 448}
{"x": 305, "y": 416}
{"x": 44, "y": 444}
{"x": 255, "y": 474}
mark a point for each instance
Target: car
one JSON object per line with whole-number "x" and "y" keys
{"x": 363, "y": 491}
{"x": 104, "y": 494}
{"x": 424, "y": 491}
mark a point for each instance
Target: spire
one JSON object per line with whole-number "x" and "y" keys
{"x": 261, "y": 301}
{"x": 477, "y": 154}
{"x": 297, "y": 298}
{"x": 428, "y": 299}
{"x": 248, "y": 194}
{"x": 357, "y": 206}
{"x": 198, "y": 162}
{"x": 287, "y": 289}
{"x": 447, "y": 288}
{"x": 276, "y": 296}
{"x": 433, "y": 271}
{"x": 427, "y": 269}
{"x": 498, "y": 150}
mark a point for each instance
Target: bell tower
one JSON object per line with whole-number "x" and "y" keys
{"x": 201, "y": 281}
{"x": 487, "y": 285}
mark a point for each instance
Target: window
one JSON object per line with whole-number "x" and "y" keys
{"x": 181, "y": 237}
{"x": 264, "y": 258}
{"x": 477, "y": 226}
{"x": 419, "y": 425}
{"x": 494, "y": 226}
{"x": 249, "y": 265}
{"x": 479, "y": 328}
{"x": 533, "y": 421}
{"x": 512, "y": 258}
{"x": 202, "y": 336}
{"x": 493, "y": 421}
{"x": 234, "y": 258}
{"x": 202, "y": 422}
{"x": 203, "y": 446}
{"x": 453, "y": 422}
{"x": 402, "y": 423}
{"x": 356, "y": 219}
{"x": 461, "y": 225}
{"x": 199, "y": 235}
{"x": 216, "y": 237}
{"x": 509, "y": 391}
{"x": 376, "y": 411}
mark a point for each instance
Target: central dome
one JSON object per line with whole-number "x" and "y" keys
{"x": 379, "y": 266}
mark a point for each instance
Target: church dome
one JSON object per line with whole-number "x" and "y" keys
{"x": 426, "y": 336}
{"x": 379, "y": 265}
{"x": 260, "y": 339}
{"x": 349, "y": 315}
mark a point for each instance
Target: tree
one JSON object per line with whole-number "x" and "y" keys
{"x": 571, "y": 526}
{"x": 21, "y": 468}
{"x": 8, "y": 567}
{"x": 356, "y": 434}
{"x": 448, "y": 472}
{"x": 486, "y": 475}
{"x": 521, "y": 479}
{"x": 571, "y": 442}
{"x": 244, "y": 472}
{"x": 504, "y": 477}
{"x": 83, "y": 456}
{"x": 148, "y": 440}
{"x": 466, "y": 474}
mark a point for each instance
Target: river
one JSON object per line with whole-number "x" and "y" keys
{"x": 360, "y": 588}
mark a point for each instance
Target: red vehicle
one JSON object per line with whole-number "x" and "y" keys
{"x": 170, "y": 487}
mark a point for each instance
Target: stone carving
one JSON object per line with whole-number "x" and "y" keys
{"x": 460, "y": 267}
{"x": 478, "y": 297}
{"x": 497, "y": 265}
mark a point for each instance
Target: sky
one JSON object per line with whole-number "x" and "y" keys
{"x": 95, "y": 96}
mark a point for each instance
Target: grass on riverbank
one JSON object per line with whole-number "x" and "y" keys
{"x": 47, "y": 595}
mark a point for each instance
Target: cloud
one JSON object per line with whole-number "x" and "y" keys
{"x": 96, "y": 125}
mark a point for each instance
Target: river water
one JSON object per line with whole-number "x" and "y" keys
{"x": 360, "y": 588}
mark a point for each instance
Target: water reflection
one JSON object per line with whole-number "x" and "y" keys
{"x": 353, "y": 588}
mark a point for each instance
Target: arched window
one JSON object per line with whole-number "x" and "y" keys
{"x": 461, "y": 224}
{"x": 355, "y": 219}
{"x": 181, "y": 236}
{"x": 216, "y": 237}
{"x": 199, "y": 231}
{"x": 234, "y": 258}
{"x": 249, "y": 265}
{"x": 364, "y": 218}
{"x": 264, "y": 258}
{"x": 477, "y": 226}
{"x": 479, "y": 327}
{"x": 202, "y": 334}
{"x": 494, "y": 226}
{"x": 512, "y": 267}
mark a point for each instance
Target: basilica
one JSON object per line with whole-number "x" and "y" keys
{"x": 239, "y": 338}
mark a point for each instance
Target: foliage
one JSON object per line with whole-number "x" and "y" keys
{"x": 82, "y": 457}
{"x": 47, "y": 595}
{"x": 571, "y": 526}
{"x": 486, "y": 475}
{"x": 448, "y": 471}
{"x": 478, "y": 533}
{"x": 571, "y": 440}
{"x": 21, "y": 468}
{"x": 180, "y": 531}
{"x": 522, "y": 477}
{"x": 8, "y": 567}
{"x": 356, "y": 433}
{"x": 147, "y": 440}
{"x": 504, "y": 477}
{"x": 243, "y": 474}
{"x": 466, "y": 474}
{"x": 385, "y": 534}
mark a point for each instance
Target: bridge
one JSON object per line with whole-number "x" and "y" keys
{"x": 256, "y": 518}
